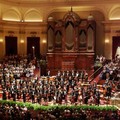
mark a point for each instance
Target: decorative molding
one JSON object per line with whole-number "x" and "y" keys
{"x": 23, "y": 24}
{"x": 11, "y": 32}
{"x": 72, "y": 53}
{"x": 33, "y": 32}
{"x": 22, "y": 32}
{"x": 107, "y": 31}
{"x": 47, "y": 3}
{"x": 1, "y": 31}
{"x": 117, "y": 31}
{"x": 44, "y": 32}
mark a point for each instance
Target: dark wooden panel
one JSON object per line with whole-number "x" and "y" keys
{"x": 33, "y": 41}
{"x": 74, "y": 61}
{"x": 115, "y": 45}
{"x": 11, "y": 45}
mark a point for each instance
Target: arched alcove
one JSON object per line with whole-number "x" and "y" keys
{"x": 115, "y": 14}
{"x": 11, "y": 15}
{"x": 32, "y": 16}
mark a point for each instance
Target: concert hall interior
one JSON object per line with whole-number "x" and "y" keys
{"x": 60, "y": 59}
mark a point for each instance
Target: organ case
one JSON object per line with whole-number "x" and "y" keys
{"x": 71, "y": 43}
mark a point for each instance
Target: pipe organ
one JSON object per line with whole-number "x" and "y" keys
{"x": 70, "y": 43}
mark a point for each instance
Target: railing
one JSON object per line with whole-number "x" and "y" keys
{"x": 95, "y": 74}
{"x": 97, "y": 71}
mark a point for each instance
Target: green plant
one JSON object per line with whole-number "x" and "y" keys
{"x": 59, "y": 107}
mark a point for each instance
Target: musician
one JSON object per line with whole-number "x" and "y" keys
{"x": 14, "y": 96}
{"x": 4, "y": 97}
{"x": 38, "y": 98}
{"x": 86, "y": 96}
{"x": 63, "y": 74}
{"x": 48, "y": 73}
{"x": 97, "y": 97}
{"x": 109, "y": 90}
{"x": 58, "y": 74}
{"x": 24, "y": 95}
{"x": 107, "y": 77}
{"x": 77, "y": 74}
{"x": 33, "y": 96}
{"x": 73, "y": 73}
{"x": 91, "y": 99}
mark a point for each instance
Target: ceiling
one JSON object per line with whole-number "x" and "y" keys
{"x": 18, "y": 9}
{"x": 58, "y": 3}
